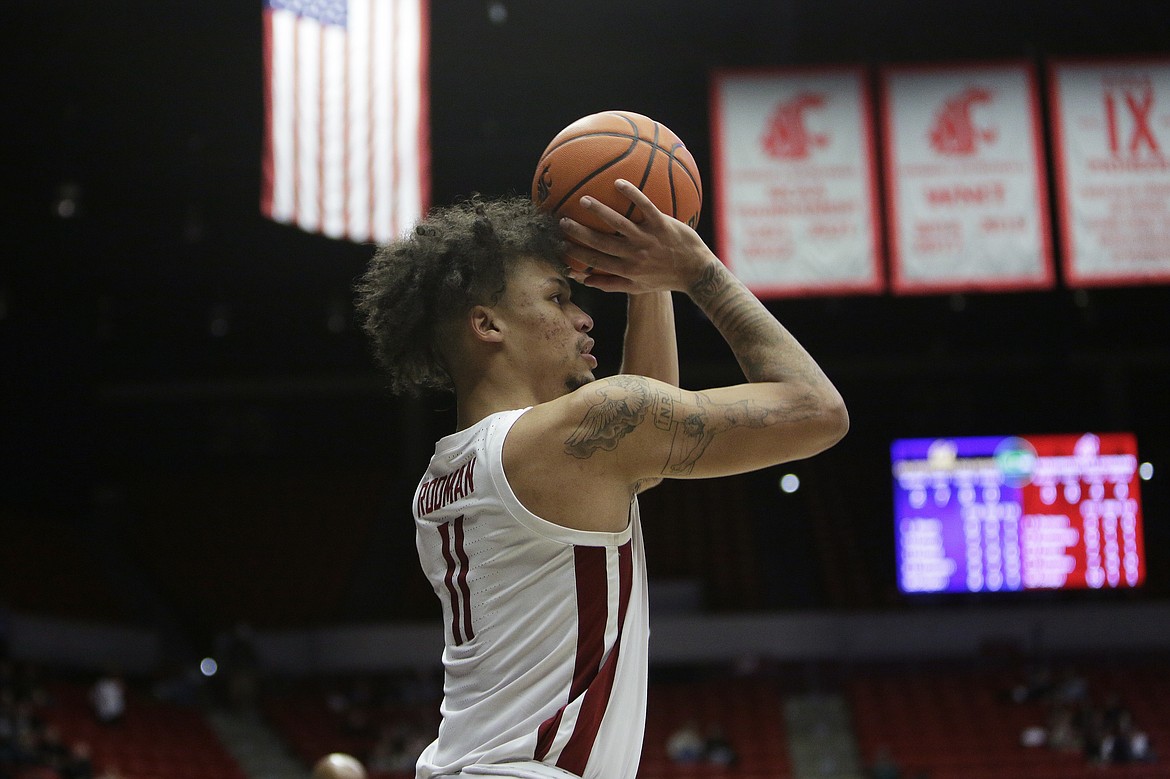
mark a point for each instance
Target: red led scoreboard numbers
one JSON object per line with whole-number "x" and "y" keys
{"x": 1002, "y": 513}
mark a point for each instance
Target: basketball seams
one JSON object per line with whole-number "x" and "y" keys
{"x": 670, "y": 182}
{"x": 646, "y": 174}
{"x": 589, "y": 154}
{"x": 592, "y": 175}
{"x": 636, "y": 140}
{"x": 605, "y": 134}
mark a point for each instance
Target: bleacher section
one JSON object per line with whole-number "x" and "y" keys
{"x": 747, "y": 709}
{"x": 958, "y": 723}
{"x": 156, "y": 740}
{"x": 944, "y": 720}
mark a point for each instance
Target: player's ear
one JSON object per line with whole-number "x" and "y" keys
{"x": 484, "y": 326}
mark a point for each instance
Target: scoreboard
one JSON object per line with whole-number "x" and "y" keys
{"x": 1003, "y": 513}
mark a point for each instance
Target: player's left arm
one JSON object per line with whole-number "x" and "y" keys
{"x": 651, "y": 346}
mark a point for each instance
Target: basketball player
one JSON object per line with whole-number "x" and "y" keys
{"x": 527, "y": 517}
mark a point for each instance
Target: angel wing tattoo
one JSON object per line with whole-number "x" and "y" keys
{"x": 625, "y": 402}
{"x": 622, "y": 406}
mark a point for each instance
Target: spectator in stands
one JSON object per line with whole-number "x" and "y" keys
{"x": 240, "y": 665}
{"x": 1038, "y": 686}
{"x": 338, "y": 766}
{"x": 397, "y": 749}
{"x": 1097, "y": 743}
{"x": 78, "y": 765}
{"x": 385, "y": 754}
{"x": 1072, "y": 688}
{"x": 1033, "y": 736}
{"x": 7, "y": 727}
{"x": 1114, "y": 711}
{"x": 26, "y": 748}
{"x": 52, "y": 750}
{"x": 1063, "y": 734}
{"x": 685, "y": 745}
{"x": 1128, "y": 744}
{"x": 21, "y": 682}
{"x": 883, "y": 765}
{"x": 180, "y": 683}
{"x": 1139, "y": 746}
{"x": 420, "y": 687}
{"x": 354, "y": 708}
{"x": 108, "y": 697}
{"x": 717, "y": 749}
{"x": 5, "y": 629}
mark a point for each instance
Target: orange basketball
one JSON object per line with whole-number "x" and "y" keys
{"x": 586, "y": 158}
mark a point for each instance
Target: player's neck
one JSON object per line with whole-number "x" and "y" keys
{"x": 488, "y": 397}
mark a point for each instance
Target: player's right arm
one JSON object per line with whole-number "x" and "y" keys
{"x": 788, "y": 409}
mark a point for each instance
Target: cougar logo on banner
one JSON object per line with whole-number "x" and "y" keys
{"x": 954, "y": 131}
{"x": 787, "y": 136}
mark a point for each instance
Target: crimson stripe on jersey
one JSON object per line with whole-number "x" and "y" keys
{"x": 592, "y": 580}
{"x": 576, "y": 753}
{"x": 592, "y": 614}
{"x": 464, "y": 564}
{"x": 449, "y": 580}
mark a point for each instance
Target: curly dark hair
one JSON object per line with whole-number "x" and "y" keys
{"x": 455, "y": 258}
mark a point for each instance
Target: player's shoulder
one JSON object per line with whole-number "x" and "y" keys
{"x": 623, "y": 395}
{"x": 590, "y": 435}
{"x": 597, "y": 416}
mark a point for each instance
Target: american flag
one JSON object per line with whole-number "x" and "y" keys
{"x": 346, "y": 150}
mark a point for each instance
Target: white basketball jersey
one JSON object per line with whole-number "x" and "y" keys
{"x": 546, "y": 627}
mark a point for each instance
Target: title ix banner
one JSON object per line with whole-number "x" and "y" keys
{"x": 965, "y": 186}
{"x": 1110, "y": 130}
{"x": 792, "y": 155}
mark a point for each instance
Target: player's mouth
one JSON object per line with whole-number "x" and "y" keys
{"x": 586, "y": 348}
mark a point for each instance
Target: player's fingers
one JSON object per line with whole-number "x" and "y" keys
{"x": 582, "y": 236}
{"x": 586, "y": 257}
{"x": 609, "y": 283}
{"x": 616, "y": 221}
{"x": 639, "y": 199}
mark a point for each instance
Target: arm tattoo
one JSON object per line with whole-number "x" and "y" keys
{"x": 708, "y": 284}
{"x": 695, "y": 431}
{"x": 620, "y": 407}
{"x": 628, "y": 401}
{"x": 764, "y": 349}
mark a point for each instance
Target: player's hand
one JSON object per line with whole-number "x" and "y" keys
{"x": 660, "y": 253}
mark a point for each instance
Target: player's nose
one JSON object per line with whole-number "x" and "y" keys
{"x": 583, "y": 321}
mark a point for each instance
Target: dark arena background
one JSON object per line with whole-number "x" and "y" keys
{"x": 206, "y": 489}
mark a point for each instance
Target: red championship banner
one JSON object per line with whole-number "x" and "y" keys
{"x": 1111, "y": 133}
{"x": 794, "y": 167}
{"x": 965, "y": 187}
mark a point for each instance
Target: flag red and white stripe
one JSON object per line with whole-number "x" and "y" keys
{"x": 346, "y": 150}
